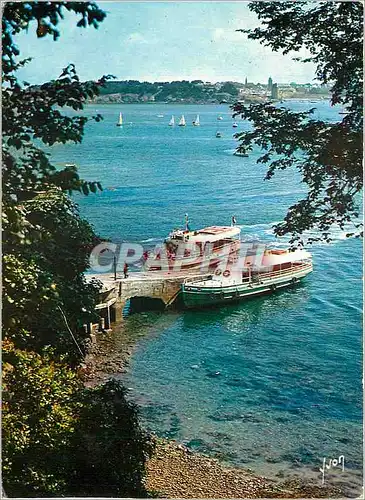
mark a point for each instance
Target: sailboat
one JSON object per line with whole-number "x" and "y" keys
{"x": 196, "y": 122}
{"x": 219, "y": 117}
{"x": 235, "y": 125}
{"x": 120, "y": 123}
{"x": 172, "y": 121}
{"x": 182, "y": 122}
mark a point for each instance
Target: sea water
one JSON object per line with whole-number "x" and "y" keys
{"x": 273, "y": 383}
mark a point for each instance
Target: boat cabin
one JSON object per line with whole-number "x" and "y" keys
{"x": 276, "y": 260}
{"x": 216, "y": 236}
{"x": 210, "y": 234}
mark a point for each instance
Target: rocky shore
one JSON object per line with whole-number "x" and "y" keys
{"x": 108, "y": 353}
{"x": 174, "y": 471}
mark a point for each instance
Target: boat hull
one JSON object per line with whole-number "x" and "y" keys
{"x": 198, "y": 296}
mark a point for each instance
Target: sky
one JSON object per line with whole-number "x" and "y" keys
{"x": 161, "y": 41}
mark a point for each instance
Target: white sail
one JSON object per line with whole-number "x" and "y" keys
{"x": 182, "y": 122}
{"x": 172, "y": 121}
{"x": 197, "y": 121}
{"x": 120, "y": 122}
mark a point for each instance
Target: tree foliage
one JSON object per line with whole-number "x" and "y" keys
{"x": 109, "y": 449}
{"x": 327, "y": 155}
{"x": 37, "y": 419}
{"x": 58, "y": 437}
{"x": 194, "y": 91}
{"x": 45, "y": 279}
{"x": 229, "y": 88}
{"x": 46, "y": 243}
{"x": 32, "y": 116}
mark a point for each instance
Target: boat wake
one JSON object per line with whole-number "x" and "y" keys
{"x": 263, "y": 225}
{"x": 151, "y": 240}
{"x": 264, "y": 232}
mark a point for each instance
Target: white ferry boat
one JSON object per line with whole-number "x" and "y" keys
{"x": 202, "y": 249}
{"x": 278, "y": 269}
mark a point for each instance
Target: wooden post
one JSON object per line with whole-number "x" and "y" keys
{"x": 107, "y": 323}
{"x": 115, "y": 267}
{"x": 119, "y": 306}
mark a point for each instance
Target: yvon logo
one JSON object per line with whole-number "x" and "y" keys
{"x": 334, "y": 462}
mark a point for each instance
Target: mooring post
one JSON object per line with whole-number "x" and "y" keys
{"x": 115, "y": 267}
{"x": 119, "y": 306}
{"x": 108, "y": 318}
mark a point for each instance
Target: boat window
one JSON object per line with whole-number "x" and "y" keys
{"x": 280, "y": 267}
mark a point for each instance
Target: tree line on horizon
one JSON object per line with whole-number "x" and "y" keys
{"x": 197, "y": 90}
{"x": 163, "y": 90}
{"x": 184, "y": 90}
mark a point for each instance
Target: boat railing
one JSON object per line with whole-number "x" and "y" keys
{"x": 227, "y": 246}
{"x": 197, "y": 278}
{"x": 280, "y": 272}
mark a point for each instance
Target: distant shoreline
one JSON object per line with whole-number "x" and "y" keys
{"x": 202, "y": 92}
{"x": 149, "y": 103}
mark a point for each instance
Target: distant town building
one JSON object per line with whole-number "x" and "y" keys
{"x": 269, "y": 83}
{"x": 274, "y": 91}
{"x": 246, "y": 81}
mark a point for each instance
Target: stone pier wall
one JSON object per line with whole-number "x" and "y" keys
{"x": 163, "y": 289}
{"x": 153, "y": 286}
{"x": 115, "y": 293}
